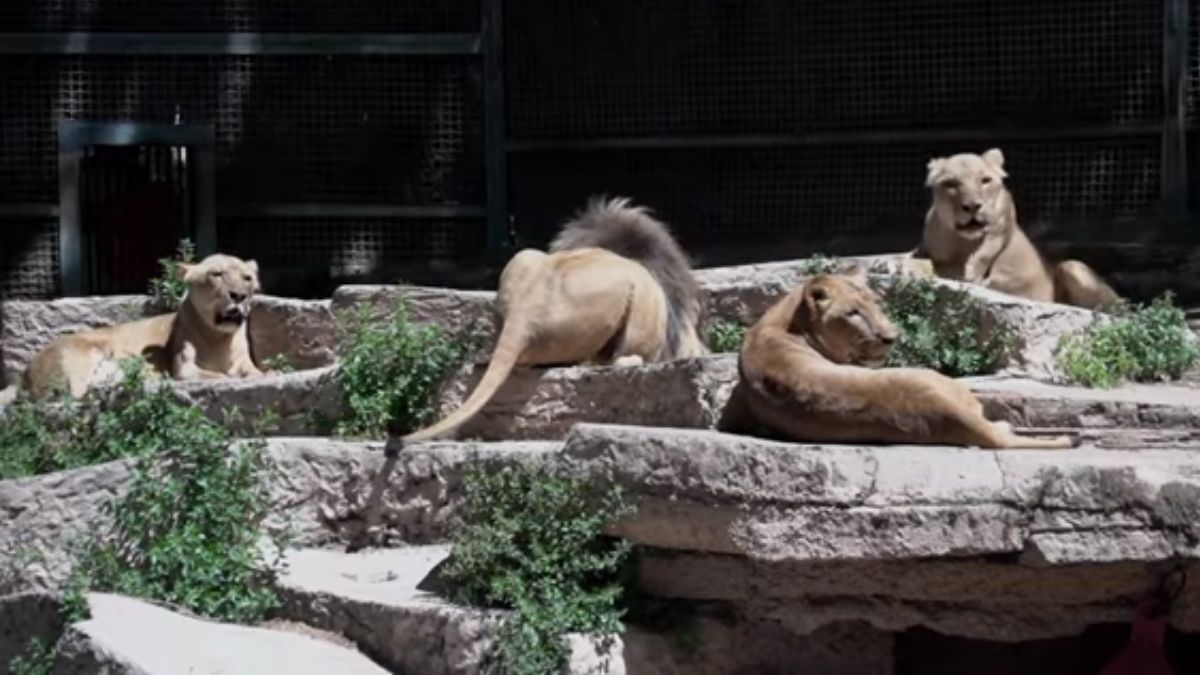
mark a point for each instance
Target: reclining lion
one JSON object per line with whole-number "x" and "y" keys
{"x": 809, "y": 371}
{"x": 614, "y": 288}
{"x": 971, "y": 234}
{"x": 206, "y": 338}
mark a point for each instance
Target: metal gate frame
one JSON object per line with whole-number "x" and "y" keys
{"x": 73, "y": 137}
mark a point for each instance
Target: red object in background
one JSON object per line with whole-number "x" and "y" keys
{"x": 1146, "y": 652}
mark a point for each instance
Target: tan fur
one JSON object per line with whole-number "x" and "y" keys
{"x": 582, "y": 303}
{"x": 971, "y": 234}
{"x": 809, "y": 372}
{"x": 206, "y": 338}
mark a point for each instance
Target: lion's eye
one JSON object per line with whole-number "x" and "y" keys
{"x": 215, "y": 274}
{"x": 950, "y": 183}
{"x": 985, "y": 180}
{"x": 246, "y": 278}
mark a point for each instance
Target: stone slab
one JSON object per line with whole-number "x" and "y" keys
{"x": 324, "y": 491}
{"x": 704, "y": 491}
{"x": 376, "y": 598}
{"x": 126, "y": 635}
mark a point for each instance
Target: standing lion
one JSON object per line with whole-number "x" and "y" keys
{"x": 971, "y": 234}
{"x": 614, "y": 288}
{"x": 205, "y": 339}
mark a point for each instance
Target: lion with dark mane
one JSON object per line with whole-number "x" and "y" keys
{"x": 809, "y": 370}
{"x": 614, "y": 288}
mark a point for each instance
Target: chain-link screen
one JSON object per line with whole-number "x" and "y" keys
{"x": 361, "y": 129}
{"x": 308, "y": 256}
{"x": 193, "y": 16}
{"x": 596, "y": 68}
{"x": 28, "y": 258}
{"x": 766, "y": 195}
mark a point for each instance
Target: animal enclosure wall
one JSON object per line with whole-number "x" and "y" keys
{"x": 357, "y": 137}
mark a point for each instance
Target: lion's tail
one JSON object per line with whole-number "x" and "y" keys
{"x": 510, "y": 344}
{"x": 631, "y": 232}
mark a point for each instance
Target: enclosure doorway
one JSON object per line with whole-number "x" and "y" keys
{"x": 127, "y": 194}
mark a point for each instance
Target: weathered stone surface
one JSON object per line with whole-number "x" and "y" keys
{"x": 1026, "y": 402}
{"x": 24, "y": 617}
{"x": 719, "y": 493}
{"x": 300, "y": 330}
{"x": 300, "y": 403}
{"x": 376, "y": 598}
{"x": 456, "y": 312}
{"x": 125, "y": 635}
{"x": 28, "y": 325}
{"x": 322, "y": 489}
{"x": 545, "y": 403}
{"x": 972, "y": 597}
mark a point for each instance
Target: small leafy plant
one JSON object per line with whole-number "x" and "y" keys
{"x": 186, "y": 532}
{"x": 944, "y": 328}
{"x": 819, "y": 263}
{"x": 1139, "y": 343}
{"x": 726, "y": 336}
{"x": 533, "y": 542}
{"x": 390, "y": 371}
{"x": 167, "y": 290}
{"x": 129, "y": 420}
{"x": 280, "y": 363}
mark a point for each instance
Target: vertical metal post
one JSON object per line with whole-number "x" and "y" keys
{"x": 494, "y": 127}
{"x": 71, "y": 260}
{"x": 205, "y": 204}
{"x": 1176, "y": 43}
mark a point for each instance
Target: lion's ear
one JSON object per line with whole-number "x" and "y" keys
{"x": 854, "y": 270}
{"x": 191, "y": 272}
{"x": 935, "y": 167}
{"x": 995, "y": 159}
{"x": 252, "y": 265}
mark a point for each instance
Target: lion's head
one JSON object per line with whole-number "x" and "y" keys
{"x": 220, "y": 289}
{"x": 968, "y": 190}
{"x": 841, "y": 317}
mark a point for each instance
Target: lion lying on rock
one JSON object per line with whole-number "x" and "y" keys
{"x": 809, "y": 370}
{"x": 614, "y": 288}
{"x": 971, "y": 234}
{"x": 206, "y": 338}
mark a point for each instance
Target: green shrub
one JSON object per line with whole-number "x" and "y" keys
{"x": 280, "y": 363}
{"x": 187, "y": 532}
{"x": 129, "y": 420}
{"x": 1139, "y": 343}
{"x": 944, "y": 328}
{"x": 167, "y": 290}
{"x": 533, "y": 542}
{"x": 390, "y": 371}
{"x": 726, "y": 336}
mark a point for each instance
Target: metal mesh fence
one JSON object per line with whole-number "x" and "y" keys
{"x": 602, "y": 68}
{"x": 309, "y": 255}
{"x": 28, "y": 258}
{"x": 369, "y": 129}
{"x": 301, "y": 16}
{"x": 733, "y": 195}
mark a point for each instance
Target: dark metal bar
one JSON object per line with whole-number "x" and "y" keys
{"x": 77, "y": 135}
{"x": 218, "y": 44}
{"x": 28, "y": 211}
{"x": 494, "y": 127}
{"x": 351, "y": 211}
{"x": 832, "y": 138}
{"x": 1176, "y": 55}
{"x": 73, "y": 271}
{"x": 204, "y": 198}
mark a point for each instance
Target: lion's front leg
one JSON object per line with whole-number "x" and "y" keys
{"x": 981, "y": 259}
{"x": 184, "y": 366}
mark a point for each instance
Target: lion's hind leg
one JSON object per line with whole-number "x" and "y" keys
{"x": 1075, "y": 283}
